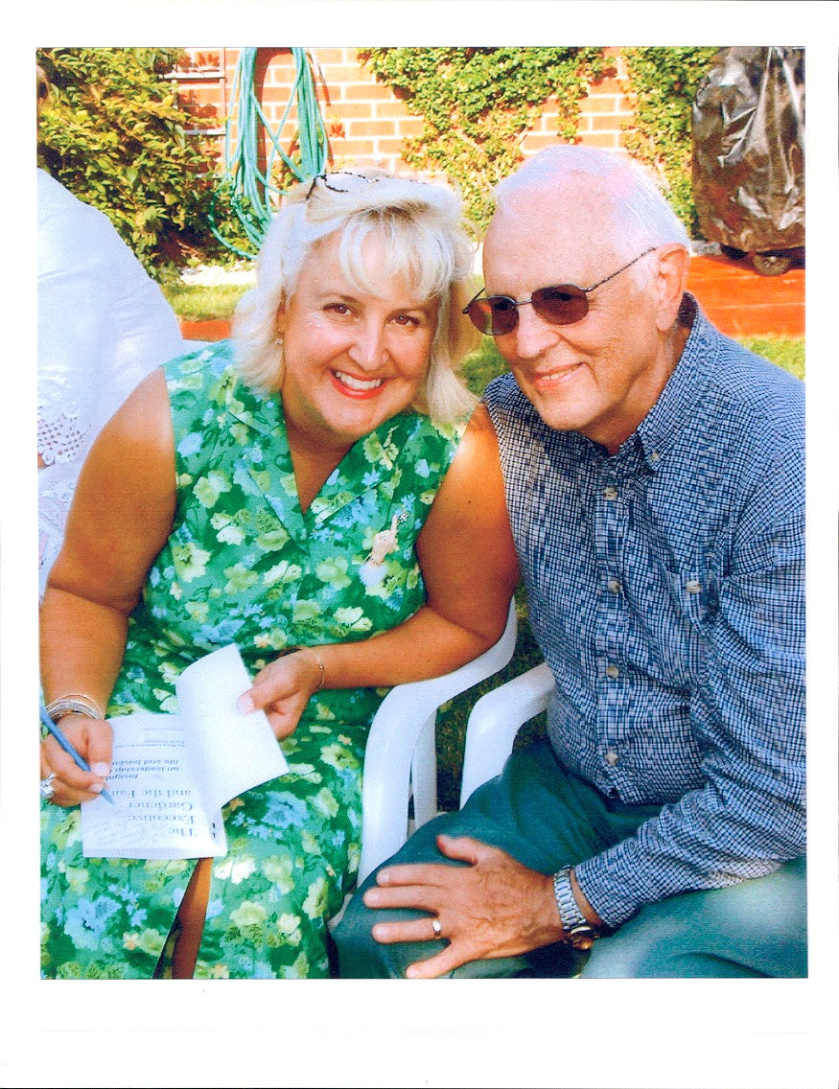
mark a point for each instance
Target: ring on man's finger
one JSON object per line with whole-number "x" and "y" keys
{"x": 437, "y": 927}
{"x": 47, "y": 789}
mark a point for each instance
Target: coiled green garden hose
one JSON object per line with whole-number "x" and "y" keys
{"x": 250, "y": 192}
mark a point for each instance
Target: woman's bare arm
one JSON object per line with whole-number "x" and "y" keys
{"x": 120, "y": 519}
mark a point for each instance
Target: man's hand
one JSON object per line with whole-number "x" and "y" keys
{"x": 494, "y": 907}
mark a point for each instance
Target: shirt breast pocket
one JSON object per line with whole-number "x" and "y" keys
{"x": 696, "y": 590}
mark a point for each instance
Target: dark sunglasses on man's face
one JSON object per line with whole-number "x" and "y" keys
{"x": 564, "y": 304}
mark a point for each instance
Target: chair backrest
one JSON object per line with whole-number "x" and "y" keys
{"x": 406, "y": 714}
{"x": 496, "y": 719}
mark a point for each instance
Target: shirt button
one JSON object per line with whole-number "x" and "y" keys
{"x": 693, "y": 587}
{"x": 654, "y": 456}
{"x": 610, "y": 492}
{"x": 612, "y": 671}
{"x": 611, "y": 757}
{"x": 614, "y": 585}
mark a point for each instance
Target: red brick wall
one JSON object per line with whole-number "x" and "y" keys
{"x": 607, "y": 110}
{"x": 366, "y": 122}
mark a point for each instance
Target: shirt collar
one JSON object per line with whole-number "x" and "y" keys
{"x": 678, "y": 402}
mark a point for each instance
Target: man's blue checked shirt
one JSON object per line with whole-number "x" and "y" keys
{"x": 666, "y": 590}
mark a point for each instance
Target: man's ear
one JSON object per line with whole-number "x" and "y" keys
{"x": 670, "y": 281}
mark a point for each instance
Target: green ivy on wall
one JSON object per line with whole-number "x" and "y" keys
{"x": 477, "y": 104}
{"x": 664, "y": 80}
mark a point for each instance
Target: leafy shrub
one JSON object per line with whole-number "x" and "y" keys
{"x": 478, "y": 103}
{"x": 114, "y": 134}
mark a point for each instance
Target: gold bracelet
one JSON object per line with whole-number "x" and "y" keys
{"x": 299, "y": 649}
{"x": 319, "y": 661}
{"x": 74, "y": 703}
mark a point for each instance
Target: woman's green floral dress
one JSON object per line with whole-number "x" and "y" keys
{"x": 245, "y": 565}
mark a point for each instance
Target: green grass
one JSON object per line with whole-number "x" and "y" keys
{"x": 483, "y": 365}
{"x": 201, "y": 302}
{"x": 786, "y": 352}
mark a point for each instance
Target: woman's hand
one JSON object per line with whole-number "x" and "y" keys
{"x": 92, "y": 739}
{"x": 283, "y": 688}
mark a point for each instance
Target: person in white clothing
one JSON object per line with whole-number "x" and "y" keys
{"x": 103, "y": 325}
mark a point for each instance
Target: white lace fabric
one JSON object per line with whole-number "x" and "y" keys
{"x": 62, "y": 438}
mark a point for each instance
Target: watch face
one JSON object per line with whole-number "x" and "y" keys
{"x": 582, "y": 936}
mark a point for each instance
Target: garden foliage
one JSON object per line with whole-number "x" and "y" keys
{"x": 477, "y": 105}
{"x": 664, "y": 80}
{"x": 115, "y": 135}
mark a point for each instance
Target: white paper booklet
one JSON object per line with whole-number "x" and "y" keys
{"x": 171, "y": 774}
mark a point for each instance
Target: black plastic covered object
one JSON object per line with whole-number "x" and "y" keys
{"x": 748, "y": 154}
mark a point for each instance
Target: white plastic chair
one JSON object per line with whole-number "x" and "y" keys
{"x": 496, "y": 719}
{"x": 400, "y": 758}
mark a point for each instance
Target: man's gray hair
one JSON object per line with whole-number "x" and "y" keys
{"x": 638, "y": 211}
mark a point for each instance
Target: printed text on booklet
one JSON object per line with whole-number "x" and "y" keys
{"x": 171, "y": 774}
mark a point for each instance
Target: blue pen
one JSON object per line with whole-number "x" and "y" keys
{"x": 78, "y": 760}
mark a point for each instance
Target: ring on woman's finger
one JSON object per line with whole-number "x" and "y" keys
{"x": 47, "y": 789}
{"x": 437, "y": 927}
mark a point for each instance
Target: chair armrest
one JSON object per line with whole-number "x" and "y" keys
{"x": 496, "y": 719}
{"x": 396, "y": 729}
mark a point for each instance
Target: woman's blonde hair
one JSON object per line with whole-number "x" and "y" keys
{"x": 421, "y": 229}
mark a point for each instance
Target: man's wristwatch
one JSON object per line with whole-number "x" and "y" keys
{"x": 581, "y": 933}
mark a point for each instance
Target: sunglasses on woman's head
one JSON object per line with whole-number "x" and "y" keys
{"x": 347, "y": 181}
{"x": 347, "y": 178}
{"x": 564, "y": 304}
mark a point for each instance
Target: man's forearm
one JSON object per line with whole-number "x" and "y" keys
{"x": 672, "y": 853}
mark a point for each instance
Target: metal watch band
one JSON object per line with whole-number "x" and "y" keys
{"x": 570, "y": 916}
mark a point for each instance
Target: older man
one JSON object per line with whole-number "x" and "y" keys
{"x": 655, "y": 481}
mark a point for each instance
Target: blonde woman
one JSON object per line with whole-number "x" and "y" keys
{"x": 323, "y": 482}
